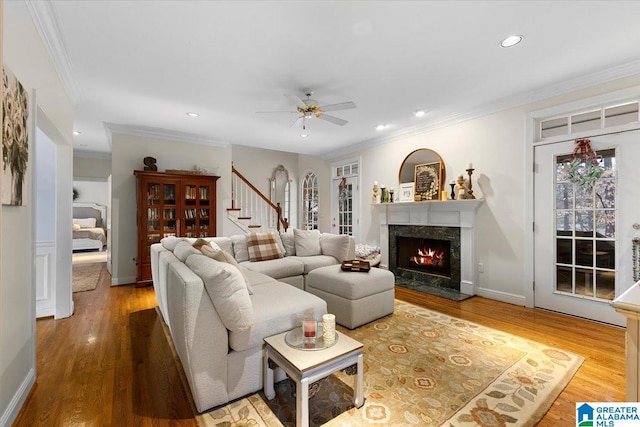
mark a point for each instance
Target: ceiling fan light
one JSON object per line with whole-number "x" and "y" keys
{"x": 511, "y": 41}
{"x": 419, "y": 113}
{"x": 76, "y": 132}
{"x": 381, "y": 127}
{"x": 304, "y": 135}
{"x": 192, "y": 114}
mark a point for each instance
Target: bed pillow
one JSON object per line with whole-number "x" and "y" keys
{"x": 264, "y": 246}
{"x": 307, "y": 242}
{"x": 227, "y": 289}
{"x": 76, "y": 227}
{"x": 223, "y": 256}
{"x": 85, "y": 222}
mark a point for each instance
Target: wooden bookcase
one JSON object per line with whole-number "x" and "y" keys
{"x": 172, "y": 204}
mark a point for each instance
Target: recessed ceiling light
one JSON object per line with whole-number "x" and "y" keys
{"x": 381, "y": 127}
{"x": 511, "y": 41}
{"x": 192, "y": 114}
{"x": 76, "y": 132}
{"x": 419, "y": 113}
{"x": 304, "y": 135}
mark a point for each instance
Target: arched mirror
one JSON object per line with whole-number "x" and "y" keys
{"x": 424, "y": 168}
{"x": 281, "y": 189}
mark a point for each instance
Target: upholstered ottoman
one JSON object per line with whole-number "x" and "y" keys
{"x": 355, "y": 298}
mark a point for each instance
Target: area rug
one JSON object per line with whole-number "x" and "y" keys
{"x": 429, "y": 369}
{"x": 87, "y": 276}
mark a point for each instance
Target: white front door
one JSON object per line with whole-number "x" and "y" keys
{"x": 583, "y": 235}
{"x": 344, "y": 218}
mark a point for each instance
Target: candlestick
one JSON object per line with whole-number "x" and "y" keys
{"x": 453, "y": 193}
{"x": 469, "y": 166}
{"x": 470, "y": 191}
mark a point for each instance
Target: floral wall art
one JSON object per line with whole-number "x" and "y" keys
{"x": 15, "y": 140}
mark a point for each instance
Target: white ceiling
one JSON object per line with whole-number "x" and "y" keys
{"x": 141, "y": 65}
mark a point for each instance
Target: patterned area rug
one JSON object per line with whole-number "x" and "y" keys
{"x": 87, "y": 276}
{"x": 425, "y": 368}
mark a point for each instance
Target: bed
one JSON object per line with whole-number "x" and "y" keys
{"x": 89, "y": 220}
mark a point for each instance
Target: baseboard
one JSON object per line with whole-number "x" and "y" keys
{"x": 502, "y": 296}
{"x": 45, "y": 312}
{"x": 118, "y": 281}
{"x": 18, "y": 399}
{"x": 467, "y": 288}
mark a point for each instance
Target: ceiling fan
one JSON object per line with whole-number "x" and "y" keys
{"x": 309, "y": 108}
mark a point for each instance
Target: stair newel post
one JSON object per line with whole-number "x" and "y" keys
{"x": 279, "y": 212}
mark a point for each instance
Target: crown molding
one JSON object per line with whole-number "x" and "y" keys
{"x": 516, "y": 100}
{"x": 169, "y": 135}
{"x": 102, "y": 155}
{"x": 45, "y": 19}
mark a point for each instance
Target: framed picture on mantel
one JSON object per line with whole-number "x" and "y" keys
{"x": 427, "y": 181}
{"x": 406, "y": 192}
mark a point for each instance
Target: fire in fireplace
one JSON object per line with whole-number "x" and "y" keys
{"x": 430, "y": 256}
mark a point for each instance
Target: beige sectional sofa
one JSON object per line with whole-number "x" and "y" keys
{"x": 218, "y": 313}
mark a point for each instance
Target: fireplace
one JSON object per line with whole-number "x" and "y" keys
{"x": 425, "y": 255}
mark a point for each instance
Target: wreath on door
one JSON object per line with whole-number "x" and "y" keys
{"x": 584, "y": 167}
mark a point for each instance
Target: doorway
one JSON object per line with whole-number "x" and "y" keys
{"x": 583, "y": 234}
{"x": 344, "y": 199}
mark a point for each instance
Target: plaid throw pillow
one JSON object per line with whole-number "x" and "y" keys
{"x": 262, "y": 247}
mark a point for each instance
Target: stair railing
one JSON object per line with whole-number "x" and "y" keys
{"x": 254, "y": 206}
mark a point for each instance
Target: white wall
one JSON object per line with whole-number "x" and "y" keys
{"x": 496, "y": 144}
{"x": 92, "y": 191}
{"x": 27, "y": 58}
{"x": 127, "y": 155}
{"x": 257, "y": 166}
{"x": 90, "y": 167}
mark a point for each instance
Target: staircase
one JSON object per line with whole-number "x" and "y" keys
{"x": 250, "y": 209}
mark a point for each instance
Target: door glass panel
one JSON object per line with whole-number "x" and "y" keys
{"x": 584, "y": 282}
{"x": 169, "y": 194}
{"x": 586, "y": 232}
{"x": 345, "y": 206}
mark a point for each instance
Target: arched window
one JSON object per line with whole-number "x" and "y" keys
{"x": 310, "y": 202}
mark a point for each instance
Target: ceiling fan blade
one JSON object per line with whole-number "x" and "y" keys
{"x": 333, "y": 119}
{"x": 296, "y": 100}
{"x": 269, "y": 112}
{"x": 298, "y": 123}
{"x": 340, "y": 106}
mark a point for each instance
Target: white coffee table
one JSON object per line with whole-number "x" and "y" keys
{"x": 308, "y": 366}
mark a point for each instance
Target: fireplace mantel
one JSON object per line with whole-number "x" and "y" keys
{"x": 451, "y": 213}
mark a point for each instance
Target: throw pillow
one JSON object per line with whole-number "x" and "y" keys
{"x": 263, "y": 247}
{"x": 183, "y": 250}
{"x": 338, "y": 246}
{"x": 227, "y": 290}
{"x": 289, "y": 243}
{"x": 76, "y": 227}
{"x": 307, "y": 242}
{"x": 223, "y": 256}
{"x": 198, "y": 244}
{"x": 240, "y": 247}
{"x": 169, "y": 243}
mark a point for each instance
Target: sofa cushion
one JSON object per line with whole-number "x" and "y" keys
{"x": 307, "y": 242}
{"x": 263, "y": 246}
{"x": 289, "y": 243}
{"x": 276, "y": 268}
{"x": 222, "y": 256}
{"x": 255, "y": 278}
{"x": 338, "y": 246}
{"x": 313, "y": 262}
{"x": 170, "y": 243}
{"x": 240, "y": 247}
{"x": 272, "y": 318}
{"x": 183, "y": 250}
{"x": 227, "y": 289}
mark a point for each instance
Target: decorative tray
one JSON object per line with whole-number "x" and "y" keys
{"x": 356, "y": 265}
{"x": 294, "y": 339}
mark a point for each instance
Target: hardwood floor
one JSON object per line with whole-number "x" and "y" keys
{"x": 110, "y": 365}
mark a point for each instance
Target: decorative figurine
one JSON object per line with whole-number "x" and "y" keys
{"x": 374, "y": 198}
{"x": 462, "y": 191}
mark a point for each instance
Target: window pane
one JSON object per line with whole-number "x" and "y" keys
{"x": 584, "y": 252}
{"x": 564, "y": 223}
{"x": 586, "y": 121}
{"x": 584, "y": 282}
{"x": 564, "y": 196}
{"x": 606, "y": 254}
{"x": 606, "y": 224}
{"x": 584, "y": 223}
{"x": 620, "y": 115}
{"x": 584, "y": 197}
{"x": 606, "y": 284}
{"x": 605, "y": 193}
{"x": 554, "y": 127}
{"x": 564, "y": 251}
{"x": 564, "y": 279}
